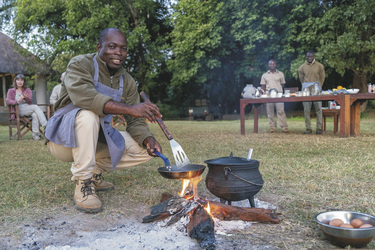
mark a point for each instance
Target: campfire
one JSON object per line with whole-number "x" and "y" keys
{"x": 199, "y": 213}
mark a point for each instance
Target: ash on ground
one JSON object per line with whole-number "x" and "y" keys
{"x": 86, "y": 231}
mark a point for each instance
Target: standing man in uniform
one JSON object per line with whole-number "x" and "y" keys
{"x": 274, "y": 79}
{"x": 312, "y": 71}
{"x": 95, "y": 87}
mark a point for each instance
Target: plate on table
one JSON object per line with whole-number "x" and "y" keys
{"x": 326, "y": 92}
{"x": 353, "y": 91}
{"x": 263, "y": 96}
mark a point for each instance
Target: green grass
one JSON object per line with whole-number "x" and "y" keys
{"x": 304, "y": 174}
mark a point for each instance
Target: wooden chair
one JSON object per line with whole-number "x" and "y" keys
{"x": 20, "y": 125}
{"x": 117, "y": 121}
{"x": 331, "y": 112}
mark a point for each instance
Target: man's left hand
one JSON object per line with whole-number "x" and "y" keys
{"x": 152, "y": 144}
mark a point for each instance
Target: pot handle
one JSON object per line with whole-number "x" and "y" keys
{"x": 165, "y": 159}
{"x": 226, "y": 170}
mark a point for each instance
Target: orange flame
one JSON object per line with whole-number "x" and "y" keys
{"x": 185, "y": 184}
{"x": 208, "y": 209}
{"x": 192, "y": 184}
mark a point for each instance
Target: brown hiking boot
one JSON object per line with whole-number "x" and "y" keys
{"x": 285, "y": 130}
{"x": 100, "y": 184}
{"x": 272, "y": 130}
{"x": 85, "y": 198}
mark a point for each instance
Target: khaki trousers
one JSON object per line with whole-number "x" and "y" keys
{"x": 281, "y": 117}
{"x": 92, "y": 156}
{"x": 319, "y": 114}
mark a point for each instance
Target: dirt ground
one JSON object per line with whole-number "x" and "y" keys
{"x": 67, "y": 228}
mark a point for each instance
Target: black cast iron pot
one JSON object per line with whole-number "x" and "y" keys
{"x": 234, "y": 178}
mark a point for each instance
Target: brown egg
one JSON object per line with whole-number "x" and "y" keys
{"x": 346, "y": 225}
{"x": 335, "y": 222}
{"x": 356, "y": 223}
{"x": 366, "y": 226}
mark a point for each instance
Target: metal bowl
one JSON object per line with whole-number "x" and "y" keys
{"x": 355, "y": 237}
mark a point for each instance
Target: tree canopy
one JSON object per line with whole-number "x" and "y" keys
{"x": 57, "y": 30}
{"x": 189, "y": 49}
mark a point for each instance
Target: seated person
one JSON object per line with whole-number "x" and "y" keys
{"x": 22, "y": 95}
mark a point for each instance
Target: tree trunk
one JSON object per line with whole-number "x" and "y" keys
{"x": 360, "y": 82}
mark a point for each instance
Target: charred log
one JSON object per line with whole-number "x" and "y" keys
{"x": 165, "y": 209}
{"x": 183, "y": 212}
{"x": 202, "y": 228}
{"x": 227, "y": 212}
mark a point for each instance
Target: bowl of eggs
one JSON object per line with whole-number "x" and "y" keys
{"x": 344, "y": 228}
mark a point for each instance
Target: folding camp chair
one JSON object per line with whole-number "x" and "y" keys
{"x": 20, "y": 125}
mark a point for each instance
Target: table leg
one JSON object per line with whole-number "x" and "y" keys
{"x": 344, "y": 101}
{"x": 255, "y": 108}
{"x": 335, "y": 123}
{"x": 355, "y": 115}
{"x": 242, "y": 115}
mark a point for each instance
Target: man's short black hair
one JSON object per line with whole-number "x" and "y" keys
{"x": 310, "y": 52}
{"x": 105, "y": 31}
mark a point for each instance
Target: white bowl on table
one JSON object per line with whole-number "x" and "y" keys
{"x": 353, "y": 91}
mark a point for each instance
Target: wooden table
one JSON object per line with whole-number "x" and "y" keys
{"x": 355, "y": 113}
{"x": 349, "y": 109}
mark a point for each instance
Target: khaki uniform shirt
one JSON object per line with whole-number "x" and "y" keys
{"x": 312, "y": 72}
{"x": 78, "y": 88}
{"x": 273, "y": 80}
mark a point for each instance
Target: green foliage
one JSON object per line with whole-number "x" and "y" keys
{"x": 206, "y": 49}
{"x": 170, "y": 112}
{"x": 347, "y": 39}
{"x": 219, "y": 46}
{"x": 6, "y": 14}
{"x": 57, "y": 30}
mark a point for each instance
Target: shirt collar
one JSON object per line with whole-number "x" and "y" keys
{"x": 311, "y": 62}
{"x": 269, "y": 72}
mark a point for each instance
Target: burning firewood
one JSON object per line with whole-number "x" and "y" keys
{"x": 202, "y": 227}
{"x": 166, "y": 208}
{"x": 200, "y": 213}
{"x": 175, "y": 204}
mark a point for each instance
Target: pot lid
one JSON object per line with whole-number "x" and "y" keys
{"x": 230, "y": 161}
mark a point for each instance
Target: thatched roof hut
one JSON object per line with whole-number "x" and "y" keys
{"x": 16, "y": 60}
